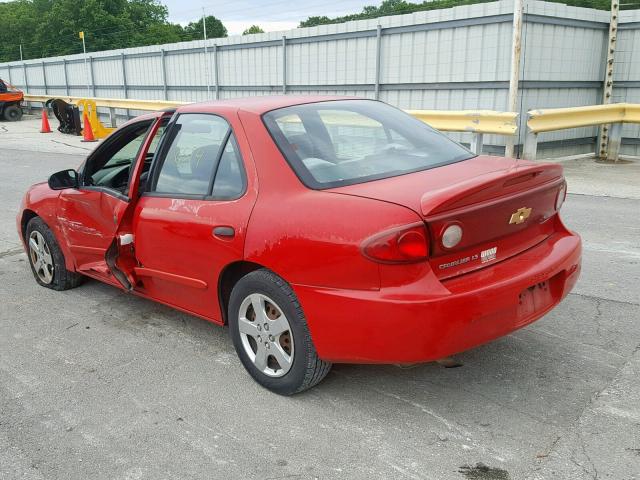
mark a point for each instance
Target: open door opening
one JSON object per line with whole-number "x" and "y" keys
{"x": 95, "y": 218}
{"x": 120, "y": 257}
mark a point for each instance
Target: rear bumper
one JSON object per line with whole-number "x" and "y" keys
{"x": 386, "y": 326}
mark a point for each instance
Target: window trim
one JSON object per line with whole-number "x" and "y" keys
{"x": 305, "y": 176}
{"x": 243, "y": 171}
{"x": 161, "y": 155}
{"x": 107, "y": 190}
{"x": 216, "y": 165}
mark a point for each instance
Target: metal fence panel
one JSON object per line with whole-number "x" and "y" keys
{"x": 186, "y": 68}
{"x": 144, "y": 71}
{"x": 35, "y": 74}
{"x": 107, "y": 72}
{"x": 55, "y": 75}
{"x": 577, "y": 53}
{"x": 249, "y": 66}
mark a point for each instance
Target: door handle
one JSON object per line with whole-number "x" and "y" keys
{"x": 225, "y": 231}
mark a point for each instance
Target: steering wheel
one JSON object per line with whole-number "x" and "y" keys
{"x": 121, "y": 180}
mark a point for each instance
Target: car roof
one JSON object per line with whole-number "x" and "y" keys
{"x": 262, "y": 104}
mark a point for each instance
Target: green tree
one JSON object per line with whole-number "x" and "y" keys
{"x": 398, "y": 7}
{"x": 50, "y": 27}
{"x": 215, "y": 29}
{"x": 253, "y": 29}
{"x": 318, "y": 20}
{"x": 17, "y": 19}
{"x": 104, "y": 23}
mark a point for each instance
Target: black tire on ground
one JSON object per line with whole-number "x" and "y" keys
{"x": 12, "y": 113}
{"x": 306, "y": 368}
{"x": 63, "y": 279}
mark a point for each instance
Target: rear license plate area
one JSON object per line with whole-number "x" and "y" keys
{"x": 534, "y": 298}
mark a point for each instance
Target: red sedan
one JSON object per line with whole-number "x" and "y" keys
{"x": 320, "y": 229}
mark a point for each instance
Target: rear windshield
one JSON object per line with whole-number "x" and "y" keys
{"x": 337, "y": 143}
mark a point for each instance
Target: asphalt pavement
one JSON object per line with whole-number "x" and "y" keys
{"x": 98, "y": 384}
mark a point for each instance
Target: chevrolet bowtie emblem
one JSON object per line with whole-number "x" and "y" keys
{"x": 519, "y": 216}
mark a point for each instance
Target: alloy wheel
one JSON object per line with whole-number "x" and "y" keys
{"x": 41, "y": 258}
{"x": 266, "y": 335}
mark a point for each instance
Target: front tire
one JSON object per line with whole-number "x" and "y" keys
{"x": 12, "y": 113}
{"x": 270, "y": 334}
{"x": 46, "y": 258}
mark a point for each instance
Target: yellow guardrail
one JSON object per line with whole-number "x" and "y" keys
{"x": 476, "y": 121}
{"x": 551, "y": 119}
{"x": 123, "y": 103}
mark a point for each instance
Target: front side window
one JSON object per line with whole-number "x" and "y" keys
{"x": 336, "y": 143}
{"x": 201, "y": 159}
{"x": 112, "y": 164}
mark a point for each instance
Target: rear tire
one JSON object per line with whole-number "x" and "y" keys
{"x": 46, "y": 258}
{"x": 12, "y": 113}
{"x": 274, "y": 345}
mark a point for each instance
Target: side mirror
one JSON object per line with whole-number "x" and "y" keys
{"x": 64, "y": 179}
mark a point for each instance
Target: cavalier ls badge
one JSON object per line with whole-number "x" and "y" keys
{"x": 519, "y": 216}
{"x": 485, "y": 256}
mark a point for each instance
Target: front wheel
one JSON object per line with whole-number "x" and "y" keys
{"x": 46, "y": 258}
{"x": 270, "y": 334}
{"x": 12, "y": 113}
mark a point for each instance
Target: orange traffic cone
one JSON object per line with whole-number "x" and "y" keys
{"x": 45, "y": 128}
{"x": 87, "y": 131}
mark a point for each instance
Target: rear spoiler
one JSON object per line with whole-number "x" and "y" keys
{"x": 523, "y": 175}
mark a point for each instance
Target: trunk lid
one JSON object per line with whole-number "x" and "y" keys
{"x": 504, "y": 207}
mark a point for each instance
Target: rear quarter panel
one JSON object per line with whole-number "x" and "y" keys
{"x": 314, "y": 238}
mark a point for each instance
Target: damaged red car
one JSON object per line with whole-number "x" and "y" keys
{"x": 319, "y": 229}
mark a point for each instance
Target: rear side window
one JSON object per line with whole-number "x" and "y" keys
{"x": 201, "y": 157}
{"x": 337, "y": 143}
{"x": 230, "y": 179}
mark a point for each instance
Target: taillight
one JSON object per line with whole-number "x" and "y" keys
{"x": 406, "y": 244}
{"x": 562, "y": 194}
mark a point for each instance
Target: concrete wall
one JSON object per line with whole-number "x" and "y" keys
{"x": 456, "y": 58}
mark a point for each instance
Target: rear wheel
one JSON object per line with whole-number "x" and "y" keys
{"x": 12, "y": 113}
{"x": 46, "y": 258}
{"x": 270, "y": 334}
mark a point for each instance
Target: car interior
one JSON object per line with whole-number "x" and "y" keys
{"x": 111, "y": 165}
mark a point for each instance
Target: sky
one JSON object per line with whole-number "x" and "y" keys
{"x": 271, "y": 15}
